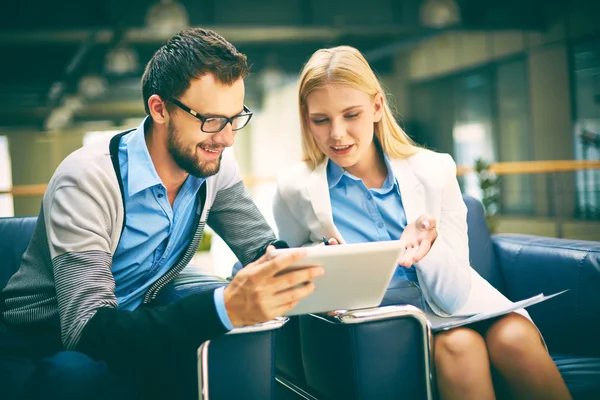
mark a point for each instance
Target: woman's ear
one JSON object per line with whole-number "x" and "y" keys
{"x": 378, "y": 107}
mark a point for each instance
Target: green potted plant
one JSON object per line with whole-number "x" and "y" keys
{"x": 205, "y": 242}
{"x": 489, "y": 184}
{"x": 203, "y": 258}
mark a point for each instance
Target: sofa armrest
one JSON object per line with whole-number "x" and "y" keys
{"x": 570, "y": 323}
{"x": 374, "y": 353}
{"x": 244, "y": 356}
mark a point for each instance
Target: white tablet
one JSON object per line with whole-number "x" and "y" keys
{"x": 356, "y": 275}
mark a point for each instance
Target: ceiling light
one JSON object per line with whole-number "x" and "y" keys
{"x": 121, "y": 60}
{"x": 92, "y": 86}
{"x": 439, "y": 13}
{"x": 167, "y": 17}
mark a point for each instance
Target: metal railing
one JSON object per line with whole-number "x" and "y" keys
{"x": 501, "y": 168}
{"x": 557, "y": 196}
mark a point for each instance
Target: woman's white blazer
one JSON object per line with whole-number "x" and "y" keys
{"x": 427, "y": 182}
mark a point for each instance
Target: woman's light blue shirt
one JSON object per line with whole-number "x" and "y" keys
{"x": 367, "y": 215}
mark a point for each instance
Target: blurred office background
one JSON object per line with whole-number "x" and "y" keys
{"x": 512, "y": 83}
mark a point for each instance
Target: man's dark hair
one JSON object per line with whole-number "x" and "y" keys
{"x": 188, "y": 55}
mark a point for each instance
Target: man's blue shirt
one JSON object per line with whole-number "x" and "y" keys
{"x": 155, "y": 235}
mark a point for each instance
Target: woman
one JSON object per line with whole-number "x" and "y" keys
{"x": 362, "y": 179}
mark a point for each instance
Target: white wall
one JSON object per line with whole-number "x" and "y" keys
{"x": 274, "y": 145}
{"x": 6, "y": 200}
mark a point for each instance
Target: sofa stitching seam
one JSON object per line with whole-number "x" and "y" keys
{"x": 516, "y": 241}
{"x": 578, "y": 286}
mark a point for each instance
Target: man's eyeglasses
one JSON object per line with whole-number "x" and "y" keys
{"x": 215, "y": 123}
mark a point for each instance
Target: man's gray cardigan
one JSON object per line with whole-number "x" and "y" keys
{"x": 65, "y": 276}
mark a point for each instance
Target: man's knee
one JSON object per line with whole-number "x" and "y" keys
{"x": 70, "y": 368}
{"x": 73, "y": 375}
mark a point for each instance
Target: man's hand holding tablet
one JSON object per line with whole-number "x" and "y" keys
{"x": 357, "y": 275}
{"x": 262, "y": 290}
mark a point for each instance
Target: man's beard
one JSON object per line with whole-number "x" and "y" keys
{"x": 186, "y": 157}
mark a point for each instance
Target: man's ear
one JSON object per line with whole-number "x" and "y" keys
{"x": 158, "y": 109}
{"x": 378, "y": 107}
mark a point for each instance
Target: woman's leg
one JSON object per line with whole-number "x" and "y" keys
{"x": 462, "y": 365}
{"x": 518, "y": 354}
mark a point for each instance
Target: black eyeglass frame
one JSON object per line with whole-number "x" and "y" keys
{"x": 224, "y": 119}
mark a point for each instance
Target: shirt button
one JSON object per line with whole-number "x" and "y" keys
{"x": 369, "y": 197}
{"x": 380, "y": 225}
{"x": 160, "y": 195}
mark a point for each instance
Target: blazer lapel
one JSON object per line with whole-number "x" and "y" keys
{"x": 412, "y": 191}
{"x": 318, "y": 193}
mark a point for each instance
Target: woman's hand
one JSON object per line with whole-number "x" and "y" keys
{"x": 418, "y": 238}
{"x": 329, "y": 242}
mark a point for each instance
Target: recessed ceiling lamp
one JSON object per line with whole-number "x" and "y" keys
{"x": 439, "y": 13}
{"x": 121, "y": 60}
{"x": 167, "y": 17}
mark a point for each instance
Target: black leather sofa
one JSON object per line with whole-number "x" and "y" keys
{"x": 385, "y": 353}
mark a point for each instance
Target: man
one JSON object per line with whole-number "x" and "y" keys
{"x": 120, "y": 220}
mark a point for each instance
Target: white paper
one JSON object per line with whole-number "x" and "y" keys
{"x": 443, "y": 323}
{"x": 483, "y": 298}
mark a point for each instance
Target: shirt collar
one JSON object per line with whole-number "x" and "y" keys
{"x": 390, "y": 181}
{"x": 335, "y": 174}
{"x": 142, "y": 173}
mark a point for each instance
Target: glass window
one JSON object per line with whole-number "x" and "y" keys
{"x": 432, "y": 115}
{"x": 514, "y": 135}
{"x": 586, "y": 130}
{"x": 472, "y": 131}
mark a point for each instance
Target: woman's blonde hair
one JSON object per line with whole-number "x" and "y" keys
{"x": 345, "y": 65}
